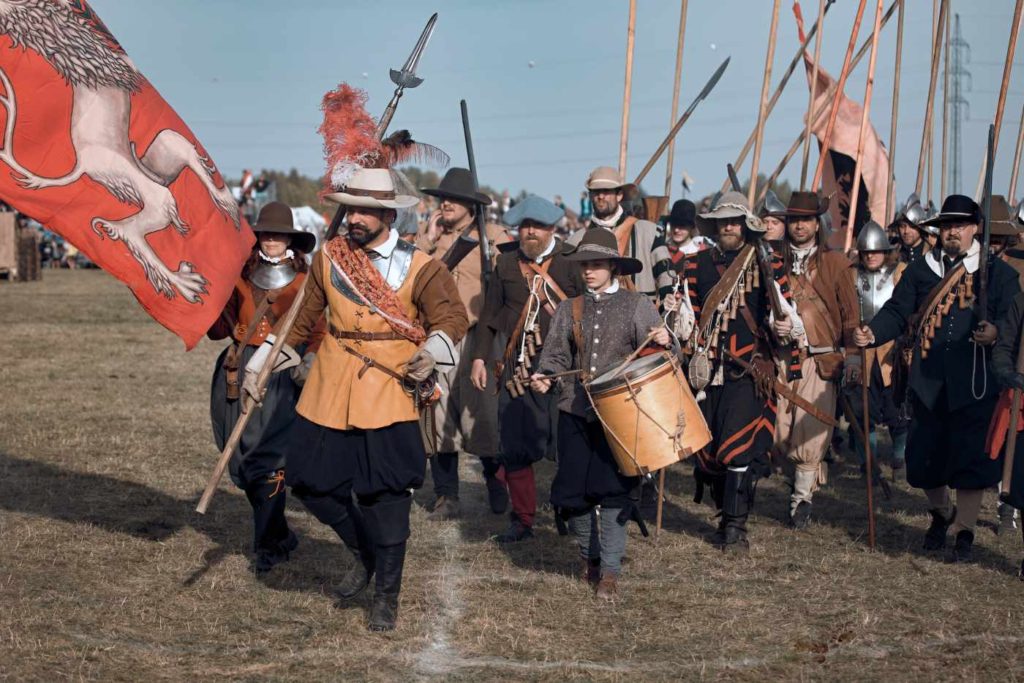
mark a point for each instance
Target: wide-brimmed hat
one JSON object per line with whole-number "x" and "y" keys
{"x": 956, "y": 208}
{"x": 805, "y": 205}
{"x": 277, "y": 218}
{"x": 458, "y": 184}
{"x": 683, "y": 213}
{"x": 732, "y": 204}
{"x": 533, "y": 208}
{"x": 372, "y": 188}
{"x": 607, "y": 178}
{"x": 1003, "y": 219}
{"x": 599, "y": 244}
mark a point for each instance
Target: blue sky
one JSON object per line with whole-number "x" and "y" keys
{"x": 248, "y": 78}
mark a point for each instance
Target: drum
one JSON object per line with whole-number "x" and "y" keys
{"x": 649, "y": 414}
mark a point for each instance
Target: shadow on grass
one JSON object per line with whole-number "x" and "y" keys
{"x": 143, "y": 512}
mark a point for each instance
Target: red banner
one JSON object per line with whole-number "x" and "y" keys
{"x": 93, "y": 152}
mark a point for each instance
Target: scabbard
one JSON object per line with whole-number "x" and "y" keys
{"x": 783, "y": 390}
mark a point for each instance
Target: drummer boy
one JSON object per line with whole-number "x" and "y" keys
{"x": 593, "y": 333}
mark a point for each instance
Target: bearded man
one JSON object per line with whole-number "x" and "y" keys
{"x": 634, "y": 237}
{"x": 531, "y": 278}
{"x": 952, "y": 391}
{"x": 394, "y": 315}
{"x": 463, "y": 419}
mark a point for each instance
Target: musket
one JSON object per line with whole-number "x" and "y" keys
{"x": 790, "y": 395}
{"x": 403, "y": 78}
{"x": 705, "y": 91}
{"x": 986, "y": 233}
{"x": 481, "y": 218}
{"x": 733, "y": 178}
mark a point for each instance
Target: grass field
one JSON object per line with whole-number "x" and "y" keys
{"x": 107, "y": 573}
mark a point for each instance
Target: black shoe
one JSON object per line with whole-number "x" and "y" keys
{"x": 935, "y": 537}
{"x": 517, "y": 531}
{"x": 801, "y": 517}
{"x": 497, "y": 496}
{"x": 383, "y": 613}
{"x": 268, "y": 558}
{"x": 962, "y": 547}
{"x": 357, "y": 578}
{"x": 1007, "y": 518}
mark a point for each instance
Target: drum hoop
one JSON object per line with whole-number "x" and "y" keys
{"x": 638, "y": 381}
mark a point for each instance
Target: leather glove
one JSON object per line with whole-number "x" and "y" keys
{"x": 419, "y": 367}
{"x": 301, "y": 371}
{"x": 764, "y": 373}
{"x": 249, "y": 390}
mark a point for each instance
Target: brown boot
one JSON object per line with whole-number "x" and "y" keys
{"x": 445, "y": 508}
{"x": 607, "y": 588}
{"x": 589, "y": 571}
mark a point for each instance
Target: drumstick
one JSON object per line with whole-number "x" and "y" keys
{"x": 556, "y": 375}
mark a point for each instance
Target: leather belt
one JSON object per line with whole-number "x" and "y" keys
{"x": 364, "y": 336}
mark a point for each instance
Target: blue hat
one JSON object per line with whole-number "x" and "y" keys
{"x": 533, "y": 208}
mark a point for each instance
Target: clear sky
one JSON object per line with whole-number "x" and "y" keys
{"x": 248, "y": 78}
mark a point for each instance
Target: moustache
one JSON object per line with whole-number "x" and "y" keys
{"x": 357, "y": 226}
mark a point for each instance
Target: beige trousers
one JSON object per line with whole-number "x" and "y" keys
{"x": 801, "y": 439}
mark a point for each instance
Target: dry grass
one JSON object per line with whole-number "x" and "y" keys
{"x": 107, "y": 573}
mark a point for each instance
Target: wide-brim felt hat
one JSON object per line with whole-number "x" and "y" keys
{"x": 533, "y": 208}
{"x": 599, "y": 244}
{"x": 732, "y": 204}
{"x": 805, "y": 205}
{"x": 371, "y": 188}
{"x": 458, "y": 184}
{"x": 276, "y": 217}
{"x": 607, "y": 178}
{"x": 956, "y": 208}
{"x": 683, "y": 213}
{"x": 1002, "y": 218}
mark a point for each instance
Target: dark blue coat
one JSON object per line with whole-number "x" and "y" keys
{"x": 950, "y": 364}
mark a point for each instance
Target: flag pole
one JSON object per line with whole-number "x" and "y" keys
{"x": 930, "y": 100}
{"x": 795, "y": 147}
{"x": 840, "y": 89}
{"x": 675, "y": 98}
{"x": 1010, "y": 195}
{"x": 890, "y": 190}
{"x": 763, "y": 112}
{"x": 1007, "y": 67}
{"x": 627, "y": 91}
{"x": 810, "y": 98}
{"x": 864, "y": 123}
{"x": 741, "y": 157}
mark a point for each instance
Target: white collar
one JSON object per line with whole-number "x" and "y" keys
{"x": 269, "y": 259}
{"x": 971, "y": 261}
{"x": 547, "y": 252}
{"x": 612, "y": 288}
{"x": 609, "y": 222}
{"x": 384, "y": 250}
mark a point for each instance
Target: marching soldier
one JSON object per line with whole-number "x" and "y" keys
{"x": 680, "y": 244}
{"x": 1008, "y": 372}
{"x": 634, "y": 237}
{"x": 875, "y": 277}
{"x": 591, "y": 333}
{"x": 1006, "y": 231}
{"x": 273, "y": 275}
{"x": 773, "y": 215}
{"x": 915, "y": 237}
{"x": 732, "y": 363}
{"x": 826, "y": 306}
{"x": 952, "y": 392}
{"x": 463, "y": 419}
{"x": 531, "y": 278}
{"x": 394, "y": 315}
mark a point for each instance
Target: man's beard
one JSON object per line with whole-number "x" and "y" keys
{"x": 605, "y": 213}
{"x": 361, "y": 235}
{"x": 533, "y": 248}
{"x": 952, "y": 249}
{"x": 730, "y": 242}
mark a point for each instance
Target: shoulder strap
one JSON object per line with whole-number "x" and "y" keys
{"x": 725, "y": 285}
{"x": 935, "y": 296}
{"x": 623, "y": 231}
{"x": 577, "y": 335}
{"x": 542, "y": 270}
